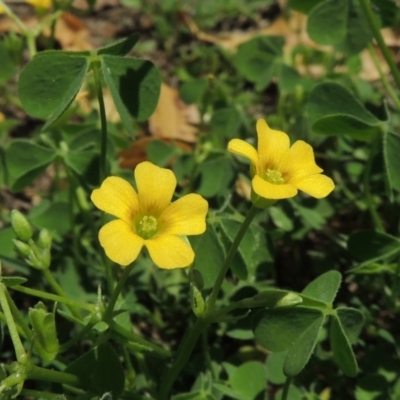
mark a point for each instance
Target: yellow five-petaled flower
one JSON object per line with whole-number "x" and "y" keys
{"x": 279, "y": 170}
{"x": 148, "y": 218}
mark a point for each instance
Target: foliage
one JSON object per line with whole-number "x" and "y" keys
{"x": 289, "y": 296}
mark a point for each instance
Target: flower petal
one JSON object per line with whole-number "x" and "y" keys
{"x": 317, "y": 185}
{"x": 185, "y": 216}
{"x": 120, "y": 243}
{"x": 117, "y": 197}
{"x": 244, "y": 149}
{"x": 272, "y": 146}
{"x": 300, "y": 161}
{"x": 155, "y": 187}
{"x": 168, "y": 251}
{"x": 270, "y": 191}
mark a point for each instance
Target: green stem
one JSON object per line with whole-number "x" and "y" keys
{"x": 49, "y": 375}
{"x": 229, "y": 257}
{"x": 186, "y": 348}
{"x": 18, "y": 317}
{"x": 117, "y": 291}
{"x": 184, "y": 353}
{"x": 49, "y": 296}
{"x": 103, "y": 119}
{"x": 367, "y": 190}
{"x": 370, "y": 15}
{"x": 59, "y": 290}
{"x": 136, "y": 339}
{"x": 286, "y": 387}
{"x": 12, "y": 327}
{"x": 383, "y": 77}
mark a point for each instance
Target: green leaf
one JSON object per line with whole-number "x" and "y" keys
{"x": 340, "y": 23}
{"x": 44, "y": 328}
{"x": 372, "y": 246}
{"x": 301, "y": 350}
{"x": 225, "y": 123}
{"x": 352, "y": 321}
{"x": 160, "y": 153}
{"x": 209, "y": 262}
{"x": 289, "y": 78}
{"x": 324, "y": 288}
{"x": 277, "y": 329}
{"x": 387, "y": 11}
{"x": 333, "y": 110}
{"x": 11, "y": 281}
{"x": 99, "y": 370}
{"x": 25, "y": 161}
{"x": 256, "y": 58}
{"x": 81, "y": 161}
{"x": 280, "y": 218}
{"x": 274, "y": 367}
{"x": 49, "y": 84}
{"x": 54, "y": 216}
{"x": 342, "y": 351}
{"x": 194, "y": 90}
{"x": 254, "y": 247}
{"x": 121, "y": 47}
{"x": 7, "y": 67}
{"x": 391, "y": 151}
{"x": 327, "y": 21}
{"x": 134, "y": 86}
{"x": 216, "y": 176}
{"x": 249, "y": 380}
{"x": 303, "y": 6}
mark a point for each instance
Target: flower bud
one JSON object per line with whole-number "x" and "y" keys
{"x": 21, "y": 248}
{"x": 21, "y": 226}
{"x": 44, "y": 239}
{"x": 199, "y": 306}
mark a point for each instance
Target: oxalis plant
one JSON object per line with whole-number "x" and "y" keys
{"x": 145, "y": 217}
{"x": 87, "y": 348}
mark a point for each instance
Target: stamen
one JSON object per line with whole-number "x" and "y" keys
{"x": 147, "y": 227}
{"x": 274, "y": 177}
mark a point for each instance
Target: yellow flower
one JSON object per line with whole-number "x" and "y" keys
{"x": 40, "y": 4}
{"x": 148, "y": 218}
{"x": 279, "y": 170}
{"x": 1, "y": 10}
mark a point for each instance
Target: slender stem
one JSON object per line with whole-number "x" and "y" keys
{"x": 18, "y": 317}
{"x": 286, "y": 387}
{"x": 369, "y": 14}
{"x": 12, "y": 327}
{"x": 103, "y": 119}
{"x": 117, "y": 291}
{"x": 367, "y": 190}
{"x": 186, "y": 348}
{"x": 19, "y": 329}
{"x": 49, "y": 296}
{"x": 383, "y": 77}
{"x": 229, "y": 257}
{"x": 184, "y": 352}
{"x": 136, "y": 339}
{"x": 49, "y": 375}
{"x": 11, "y": 14}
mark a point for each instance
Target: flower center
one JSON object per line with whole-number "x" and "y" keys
{"x": 147, "y": 227}
{"x": 273, "y": 176}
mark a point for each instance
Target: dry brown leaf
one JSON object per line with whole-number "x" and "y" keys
{"x": 72, "y": 33}
{"x": 369, "y": 72}
{"x": 173, "y": 118}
